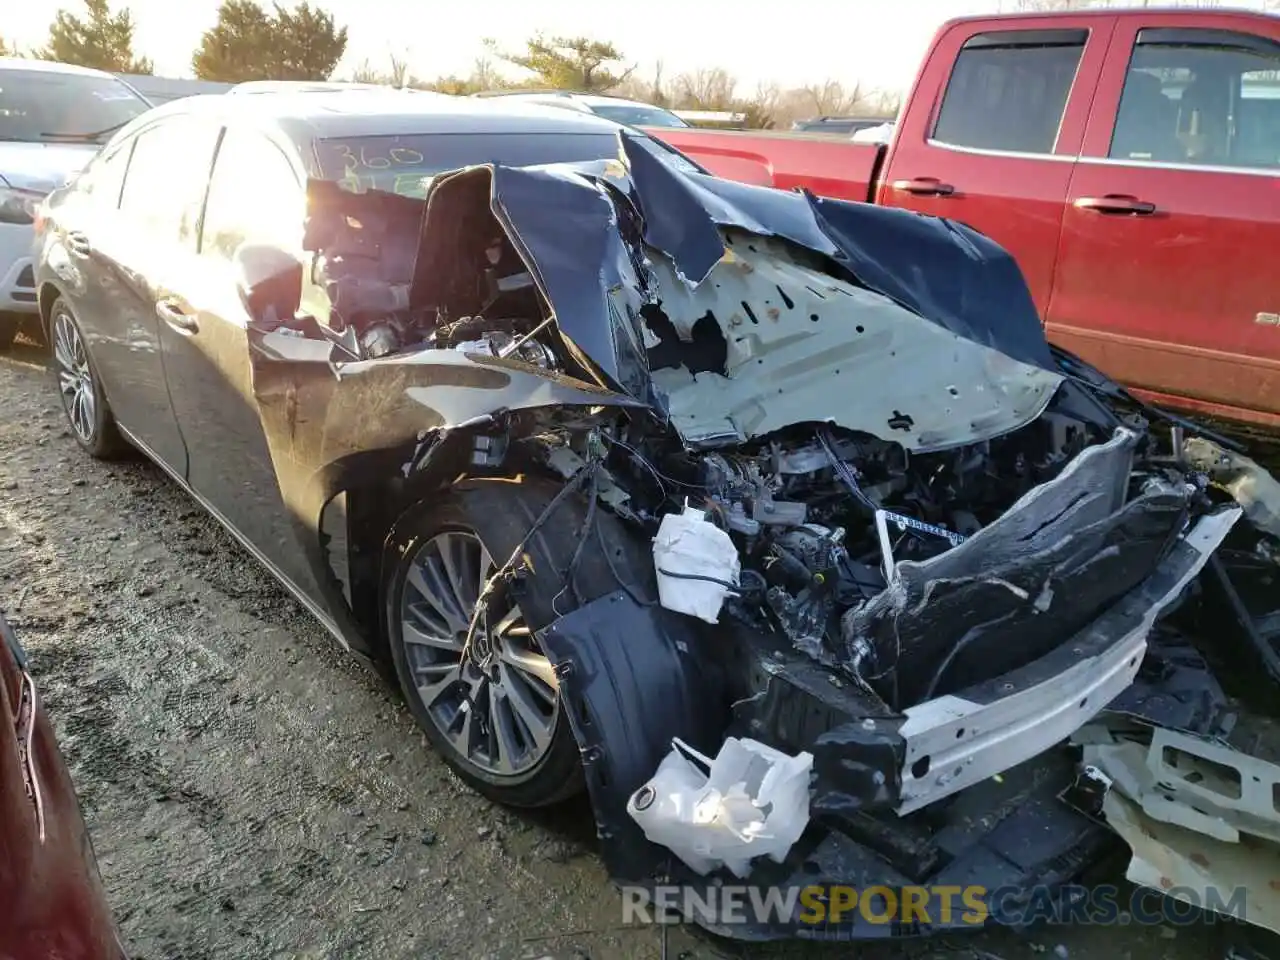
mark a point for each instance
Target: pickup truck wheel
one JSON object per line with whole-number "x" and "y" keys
{"x": 493, "y": 710}
{"x": 79, "y": 388}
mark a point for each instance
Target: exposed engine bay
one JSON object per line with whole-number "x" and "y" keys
{"x": 890, "y": 527}
{"x": 824, "y": 517}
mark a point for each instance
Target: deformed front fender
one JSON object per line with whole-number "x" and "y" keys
{"x": 334, "y": 427}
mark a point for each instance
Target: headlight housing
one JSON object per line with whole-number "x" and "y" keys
{"x": 18, "y": 205}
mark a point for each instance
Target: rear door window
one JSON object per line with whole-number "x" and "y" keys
{"x": 255, "y": 196}
{"x": 1201, "y": 98}
{"x": 164, "y": 188}
{"x": 1008, "y": 90}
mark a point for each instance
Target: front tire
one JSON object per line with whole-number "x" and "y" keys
{"x": 79, "y": 388}
{"x": 495, "y": 714}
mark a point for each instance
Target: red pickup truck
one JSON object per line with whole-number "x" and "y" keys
{"x": 1130, "y": 160}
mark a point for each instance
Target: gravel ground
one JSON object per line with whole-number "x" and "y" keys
{"x": 255, "y": 793}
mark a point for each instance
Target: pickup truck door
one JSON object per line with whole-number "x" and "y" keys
{"x": 1166, "y": 273}
{"x": 992, "y": 130}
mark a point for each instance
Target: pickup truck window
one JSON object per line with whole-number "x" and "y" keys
{"x": 1212, "y": 103}
{"x": 1009, "y": 90}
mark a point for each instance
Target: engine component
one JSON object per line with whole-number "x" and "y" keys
{"x": 697, "y": 564}
{"x": 804, "y": 618}
{"x": 496, "y": 338}
{"x": 382, "y": 337}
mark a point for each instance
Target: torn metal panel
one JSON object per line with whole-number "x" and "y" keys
{"x": 332, "y": 427}
{"x": 955, "y": 741}
{"x": 798, "y": 341}
{"x": 1199, "y": 816}
{"x": 1189, "y": 781}
{"x": 1251, "y": 486}
{"x": 1188, "y": 865}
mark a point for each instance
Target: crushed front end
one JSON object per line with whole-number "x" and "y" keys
{"x": 929, "y": 548}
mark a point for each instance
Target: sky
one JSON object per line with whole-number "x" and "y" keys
{"x": 792, "y": 42}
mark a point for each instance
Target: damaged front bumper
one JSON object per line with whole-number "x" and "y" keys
{"x": 633, "y": 677}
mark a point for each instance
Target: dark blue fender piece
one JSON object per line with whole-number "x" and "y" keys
{"x": 631, "y": 678}
{"x": 942, "y": 270}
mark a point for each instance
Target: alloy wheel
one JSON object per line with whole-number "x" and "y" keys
{"x": 75, "y": 379}
{"x": 495, "y": 702}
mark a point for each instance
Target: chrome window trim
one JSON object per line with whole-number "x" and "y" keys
{"x": 1012, "y": 154}
{"x": 1185, "y": 167}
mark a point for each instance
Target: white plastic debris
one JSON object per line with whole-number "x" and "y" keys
{"x": 697, "y": 564}
{"x": 754, "y": 802}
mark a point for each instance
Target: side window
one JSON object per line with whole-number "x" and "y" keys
{"x": 104, "y": 178}
{"x": 254, "y": 196}
{"x": 1009, "y": 90}
{"x": 1201, "y": 97}
{"x": 164, "y": 188}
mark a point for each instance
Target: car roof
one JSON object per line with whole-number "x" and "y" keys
{"x": 598, "y": 100}
{"x": 305, "y": 117}
{"x": 302, "y": 86}
{"x": 50, "y": 66}
{"x": 586, "y": 99}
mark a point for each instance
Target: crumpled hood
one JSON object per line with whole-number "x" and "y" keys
{"x": 911, "y": 328}
{"x": 43, "y": 166}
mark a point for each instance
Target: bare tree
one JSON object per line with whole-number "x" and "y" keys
{"x": 1043, "y": 5}
{"x": 711, "y": 88}
{"x": 763, "y": 107}
{"x": 1048, "y": 6}
{"x": 396, "y": 74}
{"x": 886, "y": 103}
{"x": 832, "y": 98}
{"x": 657, "y": 92}
{"x": 399, "y": 74}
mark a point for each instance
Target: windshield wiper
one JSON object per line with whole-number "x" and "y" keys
{"x": 85, "y": 137}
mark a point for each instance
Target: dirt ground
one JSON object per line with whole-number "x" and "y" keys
{"x": 255, "y": 793}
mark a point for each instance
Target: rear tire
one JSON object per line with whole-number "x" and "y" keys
{"x": 79, "y": 388}
{"x": 545, "y": 767}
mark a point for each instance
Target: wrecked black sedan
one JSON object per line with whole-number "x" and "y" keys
{"x": 600, "y": 454}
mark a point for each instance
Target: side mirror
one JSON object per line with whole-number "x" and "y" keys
{"x": 269, "y": 281}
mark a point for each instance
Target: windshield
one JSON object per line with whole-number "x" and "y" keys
{"x": 638, "y": 116}
{"x": 38, "y": 106}
{"x": 405, "y": 164}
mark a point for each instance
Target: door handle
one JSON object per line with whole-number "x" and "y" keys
{"x": 78, "y": 243}
{"x": 1117, "y": 203}
{"x": 925, "y": 187}
{"x": 172, "y": 314}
